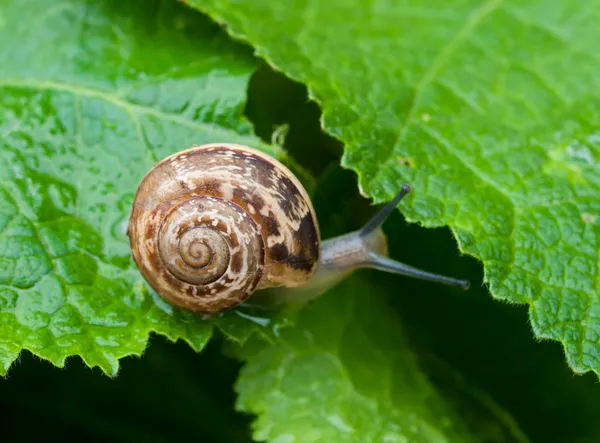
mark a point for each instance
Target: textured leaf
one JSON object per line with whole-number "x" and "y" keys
{"x": 489, "y": 109}
{"x": 92, "y": 93}
{"x": 346, "y": 373}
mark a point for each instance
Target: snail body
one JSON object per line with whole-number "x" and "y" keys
{"x": 212, "y": 224}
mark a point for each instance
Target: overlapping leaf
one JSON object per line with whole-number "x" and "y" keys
{"x": 346, "y": 373}
{"x": 91, "y": 95}
{"x": 490, "y": 110}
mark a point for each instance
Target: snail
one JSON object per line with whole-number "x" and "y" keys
{"x": 213, "y": 224}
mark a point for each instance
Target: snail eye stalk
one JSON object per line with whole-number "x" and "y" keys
{"x": 381, "y": 216}
{"x": 381, "y": 262}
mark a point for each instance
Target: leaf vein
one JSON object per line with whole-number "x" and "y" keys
{"x": 111, "y": 98}
{"x": 445, "y": 54}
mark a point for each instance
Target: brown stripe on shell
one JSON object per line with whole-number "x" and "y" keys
{"x": 271, "y": 226}
{"x": 257, "y": 202}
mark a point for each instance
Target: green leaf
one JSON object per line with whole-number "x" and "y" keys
{"x": 92, "y": 94}
{"x": 346, "y": 373}
{"x": 489, "y": 109}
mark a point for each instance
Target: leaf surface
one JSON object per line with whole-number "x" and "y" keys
{"x": 346, "y": 373}
{"x": 490, "y": 110}
{"x": 92, "y": 94}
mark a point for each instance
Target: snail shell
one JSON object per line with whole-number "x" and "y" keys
{"x": 212, "y": 224}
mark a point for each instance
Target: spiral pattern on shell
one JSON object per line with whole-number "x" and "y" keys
{"x": 211, "y": 224}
